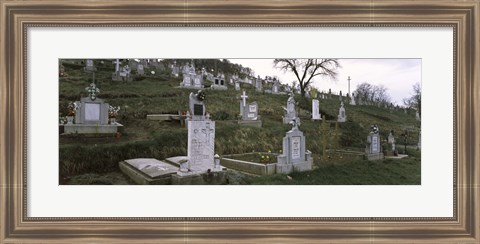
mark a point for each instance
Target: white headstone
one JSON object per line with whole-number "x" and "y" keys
{"x": 140, "y": 70}
{"x": 294, "y": 156}
{"x": 90, "y": 67}
{"x": 373, "y": 151}
{"x": 201, "y": 145}
{"x": 290, "y": 111}
{"x": 391, "y": 140}
{"x": 342, "y": 117}
{"x": 316, "y": 110}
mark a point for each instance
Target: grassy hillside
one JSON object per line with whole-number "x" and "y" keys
{"x": 160, "y": 139}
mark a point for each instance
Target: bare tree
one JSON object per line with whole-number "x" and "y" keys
{"x": 306, "y": 69}
{"x": 372, "y": 93}
{"x": 380, "y": 94}
{"x": 415, "y": 101}
{"x": 364, "y": 91}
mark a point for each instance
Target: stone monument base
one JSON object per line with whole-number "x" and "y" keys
{"x": 91, "y": 128}
{"x": 118, "y": 77}
{"x": 218, "y": 87}
{"x": 189, "y": 87}
{"x": 254, "y": 123}
{"x": 286, "y": 168}
{"x": 374, "y": 156}
{"x": 212, "y": 178}
{"x": 148, "y": 171}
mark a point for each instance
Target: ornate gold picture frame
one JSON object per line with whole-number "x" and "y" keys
{"x": 17, "y": 16}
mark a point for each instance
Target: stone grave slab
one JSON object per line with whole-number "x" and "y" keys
{"x": 148, "y": 171}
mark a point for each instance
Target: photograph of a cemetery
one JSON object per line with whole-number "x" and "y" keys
{"x": 325, "y": 121}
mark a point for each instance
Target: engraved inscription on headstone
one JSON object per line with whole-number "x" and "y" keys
{"x": 295, "y": 147}
{"x": 201, "y": 143}
{"x": 375, "y": 146}
{"x": 253, "y": 108}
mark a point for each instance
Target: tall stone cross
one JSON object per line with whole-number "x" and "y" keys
{"x": 92, "y": 91}
{"x": 244, "y": 98}
{"x": 117, "y": 65}
{"x": 207, "y": 131}
{"x": 349, "y": 85}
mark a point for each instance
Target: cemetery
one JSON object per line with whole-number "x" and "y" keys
{"x": 155, "y": 131}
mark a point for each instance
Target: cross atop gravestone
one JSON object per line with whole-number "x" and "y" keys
{"x": 244, "y": 98}
{"x": 248, "y": 111}
{"x": 92, "y": 91}
{"x": 117, "y": 65}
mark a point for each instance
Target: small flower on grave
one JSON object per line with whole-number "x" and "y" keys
{"x": 113, "y": 111}
{"x": 71, "y": 109}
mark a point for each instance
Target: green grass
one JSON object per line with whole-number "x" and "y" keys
{"x": 81, "y": 155}
{"x": 361, "y": 172}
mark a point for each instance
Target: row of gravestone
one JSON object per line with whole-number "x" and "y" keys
{"x": 201, "y": 146}
{"x": 123, "y": 72}
{"x": 295, "y": 157}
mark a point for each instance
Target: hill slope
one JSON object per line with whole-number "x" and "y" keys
{"x": 160, "y": 139}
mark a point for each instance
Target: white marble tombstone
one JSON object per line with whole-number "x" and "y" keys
{"x": 391, "y": 141}
{"x": 259, "y": 85}
{"x": 91, "y": 116}
{"x": 187, "y": 80}
{"x": 237, "y": 85}
{"x": 316, "y": 110}
{"x": 373, "y": 150}
{"x": 352, "y": 100}
{"x": 250, "y": 112}
{"x": 140, "y": 70}
{"x": 89, "y": 65}
{"x": 342, "y": 116}
{"x": 294, "y": 156}
{"x": 275, "y": 88}
{"x": 290, "y": 111}
{"x": 201, "y": 136}
{"x": 201, "y": 145}
{"x": 197, "y": 81}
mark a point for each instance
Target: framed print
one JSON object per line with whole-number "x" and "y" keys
{"x": 158, "y": 121}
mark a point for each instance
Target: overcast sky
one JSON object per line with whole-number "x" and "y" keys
{"x": 397, "y": 75}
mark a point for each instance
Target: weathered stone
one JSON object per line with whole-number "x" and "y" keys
{"x": 148, "y": 171}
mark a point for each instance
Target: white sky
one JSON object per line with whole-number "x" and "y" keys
{"x": 397, "y": 75}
